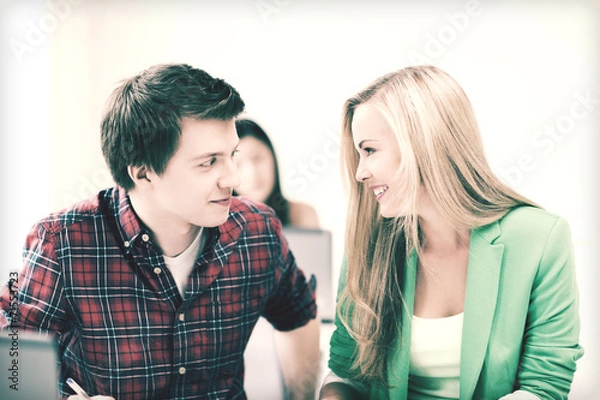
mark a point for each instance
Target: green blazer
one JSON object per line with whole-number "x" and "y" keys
{"x": 521, "y": 317}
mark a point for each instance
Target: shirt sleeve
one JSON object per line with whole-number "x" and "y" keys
{"x": 294, "y": 302}
{"x": 38, "y": 290}
{"x": 551, "y": 346}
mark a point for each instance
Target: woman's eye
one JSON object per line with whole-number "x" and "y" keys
{"x": 369, "y": 151}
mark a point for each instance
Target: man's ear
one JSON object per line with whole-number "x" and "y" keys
{"x": 139, "y": 174}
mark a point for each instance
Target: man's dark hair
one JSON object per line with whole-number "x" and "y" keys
{"x": 142, "y": 122}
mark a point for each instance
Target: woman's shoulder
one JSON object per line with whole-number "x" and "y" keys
{"x": 529, "y": 222}
{"x": 303, "y": 215}
{"x": 528, "y": 214}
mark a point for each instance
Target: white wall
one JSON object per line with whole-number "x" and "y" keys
{"x": 529, "y": 68}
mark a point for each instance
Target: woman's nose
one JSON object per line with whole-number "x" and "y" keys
{"x": 362, "y": 174}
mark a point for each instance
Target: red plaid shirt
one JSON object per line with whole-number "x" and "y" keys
{"x": 92, "y": 275}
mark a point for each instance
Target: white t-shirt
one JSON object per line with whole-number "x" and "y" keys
{"x": 181, "y": 265}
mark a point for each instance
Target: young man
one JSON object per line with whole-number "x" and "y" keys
{"x": 153, "y": 286}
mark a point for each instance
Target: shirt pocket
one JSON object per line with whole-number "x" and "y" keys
{"x": 241, "y": 304}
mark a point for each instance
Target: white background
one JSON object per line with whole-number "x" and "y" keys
{"x": 530, "y": 70}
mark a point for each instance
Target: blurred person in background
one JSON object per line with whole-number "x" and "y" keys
{"x": 259, "y": 171}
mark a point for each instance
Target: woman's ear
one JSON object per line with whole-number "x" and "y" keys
{"x": 139, "y": 174}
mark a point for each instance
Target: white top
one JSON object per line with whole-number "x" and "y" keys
{"x": 435, "y": 357}
{"x": 181, "y": 265}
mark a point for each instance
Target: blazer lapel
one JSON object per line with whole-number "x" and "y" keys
{"x": 399, "y": 366}
{"x": 485, "y": 261}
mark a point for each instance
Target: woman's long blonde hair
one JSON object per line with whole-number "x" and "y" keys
{"x": 442, "y": 152}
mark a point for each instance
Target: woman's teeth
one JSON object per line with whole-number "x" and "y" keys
{"x": 380, "y": 190}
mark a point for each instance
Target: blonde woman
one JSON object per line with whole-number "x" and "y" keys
{"x": 454, "y": 285}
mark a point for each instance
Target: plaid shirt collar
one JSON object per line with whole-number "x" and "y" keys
{"x": 220, "y": 241}
{"x": 131, "y": 228}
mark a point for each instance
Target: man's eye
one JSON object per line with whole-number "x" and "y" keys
{"x": 369, "y": 151}
{"x": 208, "y": 163}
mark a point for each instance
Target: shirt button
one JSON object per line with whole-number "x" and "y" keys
{"x": 182, "y": 317}
{"x": 127, "y": 244}
{"x": 145, "y": 237}
{"x": 157, "y": 271}
{"x": 181, "y": 370}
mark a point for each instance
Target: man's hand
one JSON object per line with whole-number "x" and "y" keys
{"x": 299, "y": 356}
{"x": 77, "y": 397}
